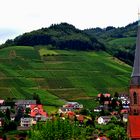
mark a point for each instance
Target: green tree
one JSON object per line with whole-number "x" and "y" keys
{"x": 7, "y": 113}
{"x": 37, "y": 98}
{"x": 59, "y": 130}
{"x": 117, "y": 133}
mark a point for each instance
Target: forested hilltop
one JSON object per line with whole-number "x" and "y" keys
{"x": 120, "y": 42}
{"x": 58, "y": 36}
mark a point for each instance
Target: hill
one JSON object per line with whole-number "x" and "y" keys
{"x": 60, "y": 75}
{"x": 120, "y": 42}
{"x": 58, "y": 36}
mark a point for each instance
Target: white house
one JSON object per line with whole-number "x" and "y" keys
{"x": 125, "y": 118}
{"x": 103, "y": 119}
{"x": 26, "y": 122}
{"x": 97, "y": 109}
{"x": 74, "y": 105}
{"x": 65, "y": 109}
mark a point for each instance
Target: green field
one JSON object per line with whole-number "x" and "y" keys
{"x": 58, "y": 76}
{"x": 123, "y": 42}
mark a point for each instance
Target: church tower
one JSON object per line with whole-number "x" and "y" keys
{"x": 134, "y": 93}
{"x": 135, "y": 79}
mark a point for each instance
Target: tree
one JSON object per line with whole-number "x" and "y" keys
{"x": 114, "y": 103}
{"x": 7, "y": 113}
{"x": 37, "y": 98}
{"x": 19, "y": 114}
{"x": 117, "y": 133}
{"x": 116, "y": 95}
{"x": 9, "y": 125}
{"x": 102, "y": 99}
{"x": 59, "y": 130}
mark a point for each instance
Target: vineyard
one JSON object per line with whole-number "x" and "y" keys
{"x": 58, "y": 75}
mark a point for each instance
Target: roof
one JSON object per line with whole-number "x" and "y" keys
{"x": 135, "y": 80}
{"x": 1, "y": 101}
{"x": 65, "y": 109}
{"x": 5, "y": 107}
{"x": 80, "y": 117}
{"x": 101, "y": 138}
{"x": 25, "y": 102}
{"x": 26, "y": 119}
{"x": 133, "y": 126}
{"x": 72, "y": 103}
{"x": 124, "y": 111}
{"x": 37, "y": 110}
{"x": 105, "y": 95}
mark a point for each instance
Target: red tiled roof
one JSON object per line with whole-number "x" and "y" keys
{"x": 134, "y": 126}
{"x": 99, "y": 95}
{"x": 107, "y": 95}
{"x": 80, "y": 118}
{"x": 70, "y": 113}
{"x": 37, "y": 109}
{"x": 124, "y": 111}
{"x": 32, "y": 106}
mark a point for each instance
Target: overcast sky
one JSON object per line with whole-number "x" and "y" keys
{"x": 19, "y": 16}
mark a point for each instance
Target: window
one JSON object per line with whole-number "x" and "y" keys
{"x": 135, "y": 112}
{"x": 135, "y": 97}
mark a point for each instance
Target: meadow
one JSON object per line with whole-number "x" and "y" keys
{"x": 60, "y": 75}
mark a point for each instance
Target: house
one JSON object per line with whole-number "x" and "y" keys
{"x": 125, "y": 118}
{"x": 4, "y": 108}
{"x": 106, "y": 95}
{"x": 12, "y": 116}
{"x": 2, "y": 102}
{"x": 71, "y": 115}
{"x": 26, "y": 122}
{"x": 124, "y": 111}
{"x": 102, "y": 138}
{"x": 74, "y": 105}
{"x": 1, "y": 121}
{"x": 25, "y": 103}
{"x": 103, "y": 119}
{"x": 80, "y": 118}
{"x": 97, "y": 109}
{"x": 65, "y": 109}
{"x": 38, "y": 113}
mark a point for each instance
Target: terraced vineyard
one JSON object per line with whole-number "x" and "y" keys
{"x": 58, "y": 75}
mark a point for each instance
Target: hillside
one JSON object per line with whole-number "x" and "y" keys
{"x": 59, "y": 36}
{"x": 60, "y": 75}
{"x": 120, "y": 42}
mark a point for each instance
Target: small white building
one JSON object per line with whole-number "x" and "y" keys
{"x": 125, "y": 118}
{"x": 103, "y": 119}
{"x": 74, "y": 105}
{"x": 26, "y": 122}
{"x": 97, "y": 109}
{"x": 65, "y": 109}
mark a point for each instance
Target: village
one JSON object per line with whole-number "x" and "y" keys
{"x": 23, "y": 114}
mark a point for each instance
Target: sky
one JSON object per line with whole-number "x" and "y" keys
{"x": 20, "y": 16}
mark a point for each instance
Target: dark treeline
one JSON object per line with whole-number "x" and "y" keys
{"x": 59, "y": 36}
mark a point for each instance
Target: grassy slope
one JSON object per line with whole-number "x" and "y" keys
{"x": 57, "y": 75}
{"x": 128, "y": 41}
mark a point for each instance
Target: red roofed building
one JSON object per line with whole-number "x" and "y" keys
{"x": 134, "y": 90}
{"x": 105, "y": 95}
{"x": 38, "y": 113}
